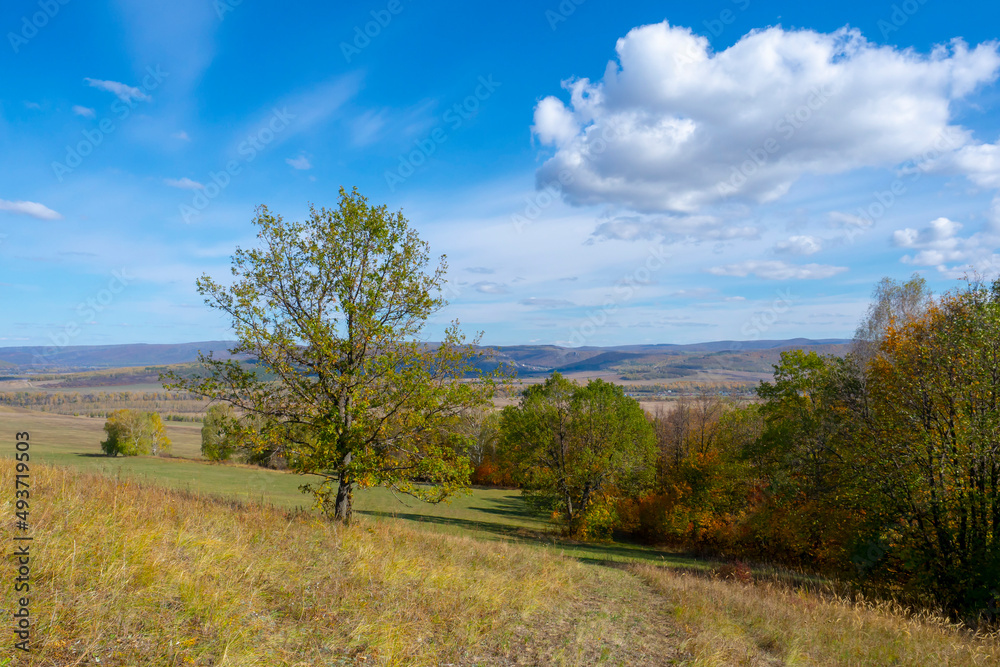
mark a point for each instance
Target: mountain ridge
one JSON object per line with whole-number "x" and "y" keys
{"x": 527, "y": 359}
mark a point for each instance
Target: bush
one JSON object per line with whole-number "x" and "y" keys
{"x": 134, "y": 433}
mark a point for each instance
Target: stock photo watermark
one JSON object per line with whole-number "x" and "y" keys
{"x": 624, "y": 290}
{"x": 86, "y": 312}
{"x": 899, "y": 17}
{"x": 693, "y": 53}
{"x": 562, "y": 12}
{"x": 764, "y": 320}
{"x": 122, "y": 109}
{"x": 454, "y": 118}
{"x": 363, "y": 35}
{"x": 785, "y": 128}
{"x": 248, "y": 150}
{"x": 914, "y": 168}
{"x": 88, "y": 309}
{"x": 546, "y": 196}
{"x": 33, "y": 23}
{"x": 223, "y": 7}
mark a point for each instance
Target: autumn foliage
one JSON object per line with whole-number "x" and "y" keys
{"x": 881, "y": 467}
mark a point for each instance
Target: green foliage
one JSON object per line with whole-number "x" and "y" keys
{"x": 573, "y": 445}
{"x": 931, "y": 451}
{"x": 217, "y": 438}
{"x": 134, "y": 433}
{"x": 332, "y": 309}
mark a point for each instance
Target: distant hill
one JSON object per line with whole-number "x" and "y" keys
{"x": 632, "y": 361}
{"x": 90, "y": 357}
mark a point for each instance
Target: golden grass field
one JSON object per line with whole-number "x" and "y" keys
{"x": 151, "y": 561}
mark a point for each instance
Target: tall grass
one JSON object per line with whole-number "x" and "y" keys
{"x": 126, "y": 574}
{"x": 769, "y": 623}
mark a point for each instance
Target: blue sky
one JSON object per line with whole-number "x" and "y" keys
{"x": 597, "y": 173}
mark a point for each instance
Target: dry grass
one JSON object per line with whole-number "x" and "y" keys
{"x": 126, "y": 574}
{"x": 734, "y": 623}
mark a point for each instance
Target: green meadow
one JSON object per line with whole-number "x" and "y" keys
{"x": 74, "y": 442}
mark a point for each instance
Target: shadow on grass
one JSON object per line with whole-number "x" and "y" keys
{"x": 598, "y": 553}
{"x": 514, "y": 507}
{"x": 504, "y": 530}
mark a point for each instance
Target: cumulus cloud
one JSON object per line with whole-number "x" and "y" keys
{"x": 671, "y": 228}
{"x": 301, "y": 162}
{"x": 979, "y": 162}
{"x": 673, "y": 126}
{"x": 184, "y": 183}
{"x": 777, "y": 270}
{"x": 939, "y": 245}
{"x": 800, "y": 245}
{"x": 122, "y": 91}
{"x": 487, "y": 287}
{"x": 86, "y": 112}
{"x": 33, "y": 209}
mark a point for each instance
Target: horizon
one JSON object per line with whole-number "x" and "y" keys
{"x": 598, "y": 175}
{"x": 763, "y": 341}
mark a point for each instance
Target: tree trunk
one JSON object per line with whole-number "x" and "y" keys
{"x": 344, "y": 494}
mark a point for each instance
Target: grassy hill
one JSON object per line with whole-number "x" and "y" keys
{"x": 148, "y": 561}
{"x": 133, "y": 574}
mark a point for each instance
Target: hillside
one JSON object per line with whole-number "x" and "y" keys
{"x": 641, "y": 361}
{"x": 131, "y": 574}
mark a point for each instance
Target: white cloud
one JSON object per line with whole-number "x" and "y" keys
{"x": 31, "y": 208}
{"x": 367, "y": 127}
{"x": 777, "y": 270}
{"x": 694, "y": 293}
{"x": 671, "y": 228}
{"x": 490, "y": 288}
{"x": 554, "y": 123}
{"x": 673, "y": 126}
{"x": 184, "y": 183}
{"x": 86, "y": 112}
{"x": 800, "y": 245}
{"x": 33, "y": 105}
{"x": 980, "y": 162}
{"x": 182, "y": 135}
{"x": 537, "y": 302}
{"x": 122, "y": 91}
{"x": 848, "y": 221}
{"x": 940, "y": 246}
{"x": 300, "y": 162}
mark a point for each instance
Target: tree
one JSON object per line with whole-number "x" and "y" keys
{"x": 135, "y": 433}
{"x": 571, "y": 444}
{"x": 893, "y": 303}
{"x": 932, "y": 448}
{"x": 807, "y": 482}
{"x": 218, "y": 440}
{"x": 331, "y": 310}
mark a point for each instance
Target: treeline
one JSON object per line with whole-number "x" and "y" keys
{"x": 882, "y": 466}
{"x": 102, "y": 403}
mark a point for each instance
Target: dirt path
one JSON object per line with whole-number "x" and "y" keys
{"x": 619, "y": 620}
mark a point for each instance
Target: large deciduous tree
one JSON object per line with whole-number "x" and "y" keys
{"x": 331, "y": 311}
{"x": 572, "y": 443}
{"x": 932, "y": 447}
